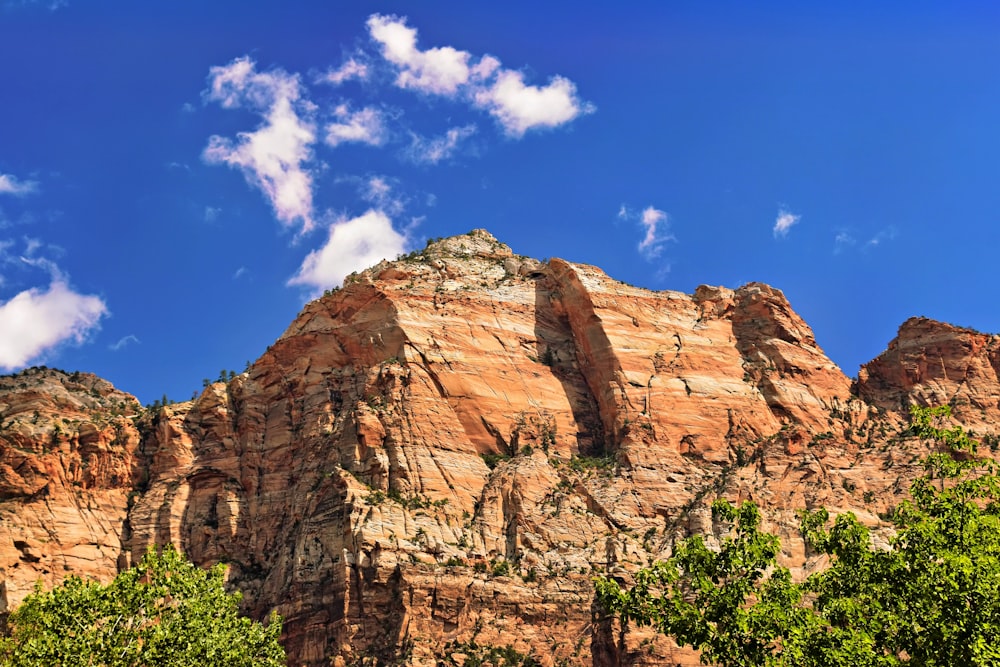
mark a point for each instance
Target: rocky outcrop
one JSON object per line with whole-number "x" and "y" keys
{"x": 932, "y": 363}
{"x": 448, "y": 449}
{"x": 68, "y": 465}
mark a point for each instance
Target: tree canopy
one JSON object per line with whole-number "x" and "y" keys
{"x": 932, "y": 598}
{"x": 163, "y": 611}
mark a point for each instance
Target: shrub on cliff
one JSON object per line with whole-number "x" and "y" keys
{"x": 932, "y": 598}
{"x": 164, "y": 611}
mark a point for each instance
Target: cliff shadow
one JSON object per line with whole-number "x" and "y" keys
{"x": 557, "y": 349}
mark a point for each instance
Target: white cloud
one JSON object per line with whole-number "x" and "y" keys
{"x": 273, "y": 157}
{"x": 519, "y": 107}
{"x": 784, "y": 222}
{"x": 655, "y": 227}
{"x": 353, "y": 245}
{"x": 377, "y": 191}
{"x": 654, "y": 222}
{"x": 365, "y": 126}
{"x": 35, "y": 321}
{"x": 351, "y": 69}
{"x": 433, "y": 150}
{"x": 449, "y": 72}
{"x": 842, "y": 241}
{"x": 440, "y": 70}
{"x": 51, "y": 5}
{"x": 30, "y": 247}
{"x": 123, "y": 342}
{"x": 887, "y": 234}
{"x": 212, "y": 213}
{"x": 10, "y": 185}
{"x": 240, "y": 272}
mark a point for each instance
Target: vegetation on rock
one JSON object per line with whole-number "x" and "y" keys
{"x": 471, "y": 654}
{"x": 930, "y": 598}
{"x": 164, "y": 611}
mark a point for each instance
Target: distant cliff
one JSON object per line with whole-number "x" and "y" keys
{"x": 448, "y": 448}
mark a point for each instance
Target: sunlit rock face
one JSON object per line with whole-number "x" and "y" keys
{"x": 68, "y": 464}
{"x": 933, "y": 363}
{"x": 451, "y": 446}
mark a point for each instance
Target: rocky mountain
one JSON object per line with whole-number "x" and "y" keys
{"x": 438, "y": 457}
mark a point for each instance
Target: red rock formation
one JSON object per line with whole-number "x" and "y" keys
{"x": 451, "y": 446}
{"x": 932, "y": 363}
{"x": 67, "y": 466}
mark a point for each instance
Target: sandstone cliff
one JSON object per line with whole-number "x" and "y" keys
{"x": 448, "y": 448}
{"x": 68, "y": 464}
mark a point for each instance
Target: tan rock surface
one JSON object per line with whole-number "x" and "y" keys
{"x": 450, "y": 447}
{"x": 933, "y": 363}
{"x": 67, "y": 465}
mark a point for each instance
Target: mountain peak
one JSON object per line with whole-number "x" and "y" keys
{"x": 445, "y": 451}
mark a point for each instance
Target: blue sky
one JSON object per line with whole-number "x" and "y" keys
{"x": 178, "y": 179}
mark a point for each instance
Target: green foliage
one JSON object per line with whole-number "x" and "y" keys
{"x": 585, "y": 464}
{"x": 931, "y": 599}
{"x": 374, "y": 498}
{"x": 493, "y": 460}
{"x": 478, "y": 655}
{"x": 164, "y": 611}
{"x": 500, "y": 568}
{"x": 411, "y": 502}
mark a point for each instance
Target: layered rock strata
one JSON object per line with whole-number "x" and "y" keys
{"x": 68, "y": 469}
{"x": 450, "y": 447}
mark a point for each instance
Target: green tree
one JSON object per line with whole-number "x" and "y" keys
{"x": 164, "y": 611}
{"x": 932, "y": 598}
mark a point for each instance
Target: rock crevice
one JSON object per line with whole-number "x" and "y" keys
{"x": 451, "y": 446}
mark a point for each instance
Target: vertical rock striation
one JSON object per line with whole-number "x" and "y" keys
{"x": 448, "y": 449}
{"x": 68, "y": 464}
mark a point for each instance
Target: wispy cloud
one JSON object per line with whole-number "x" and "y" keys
{"x": 275, "y": 156}
{"x": 212, "y": 213}
{"x": 845, "y": 240}
{"x": 37, "y": 320}
{"x": 31, "y": 246}
{"x": 655, "y": 225}
{"x": 21, "y": 219}
{"x": 882, "y": 237}
{"x": 365, "y": 126}
{"x": 655, "y": 222}
{"x": 483, "y": 82}
{"x": 123, "y": 342}
{"x": 380, "y": 193}
{"x": 11, "y": 185}
{"x": 842, "y": 241}
{"x": 51, "y": 5}
{"x": 282, "y": 155}
{"x": 424, "y": 150}
{"x": 352, "y": 68}
{"x": 352, "y": 245}
{"x": 784, "y": 222}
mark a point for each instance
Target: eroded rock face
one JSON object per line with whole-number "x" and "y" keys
{"x": 450, "y": 447}
{"x": 932, "y": 363}
{"x": 68, "y": 463}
